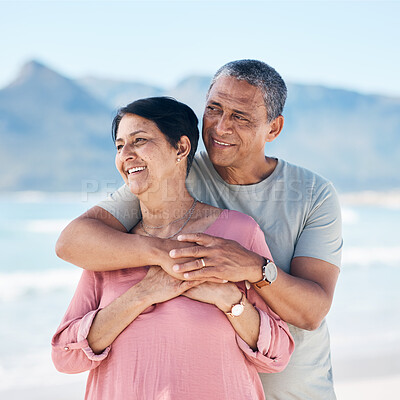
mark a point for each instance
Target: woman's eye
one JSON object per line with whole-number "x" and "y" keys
{"x": 140, "y": 140}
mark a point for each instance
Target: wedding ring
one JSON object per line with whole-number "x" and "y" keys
{"x": 203, "y": 262}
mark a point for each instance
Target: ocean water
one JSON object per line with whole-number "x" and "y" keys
{"x": 36, "y": 286}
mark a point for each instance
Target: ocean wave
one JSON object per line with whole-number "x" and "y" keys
{"x": 34, "y": 197}
{"x": 387, "y": 199}
{"x": 368, "y": 255}
{"x": 20, "y": 284}
{"x": 33, "y": 368}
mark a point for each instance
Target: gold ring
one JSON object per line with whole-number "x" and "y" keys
{"x": 203, "y": 262}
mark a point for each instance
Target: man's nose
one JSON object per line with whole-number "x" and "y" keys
{"x": 224, "y": 125}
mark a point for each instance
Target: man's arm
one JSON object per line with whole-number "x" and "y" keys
{"x": 98, "y": 241}
{"x": 302, "y": 298}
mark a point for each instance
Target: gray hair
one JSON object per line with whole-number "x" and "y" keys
{"x": 261, "y": 75}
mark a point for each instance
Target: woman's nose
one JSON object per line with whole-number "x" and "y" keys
{"x": 127, "y": 152}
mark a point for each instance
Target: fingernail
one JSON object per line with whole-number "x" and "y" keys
{"x": 186, "y": 275}
{"x": 224, "y": 281}
{"x": 172, "y": 253}
{"x": 179, "y": 237}
{"x": 175, "y": 267}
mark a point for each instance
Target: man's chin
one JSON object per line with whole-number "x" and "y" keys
{"x": 218, "y": 160}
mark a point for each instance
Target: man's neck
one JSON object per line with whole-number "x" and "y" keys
{"x": 247, "y": 176}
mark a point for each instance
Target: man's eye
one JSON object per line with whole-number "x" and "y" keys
{"x": 240, "y": 118}
{"x": 212, "y": 109}
{"x": 119, "y": 147}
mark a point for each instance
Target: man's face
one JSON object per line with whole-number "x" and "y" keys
{"x": 235, "y": 125}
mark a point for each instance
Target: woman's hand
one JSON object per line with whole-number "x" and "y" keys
{"x": 158, "y": 286}
{"x": 222, "y": 295}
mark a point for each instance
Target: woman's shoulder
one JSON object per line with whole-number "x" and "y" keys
{"x": 235, "y": 225}
{"x": 239, "y": 218}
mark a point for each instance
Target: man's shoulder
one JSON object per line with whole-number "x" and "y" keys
{"x": 302, "y": 183}
{"x": 299, "y": 171}
{"x": 202, "y": 169}
{"x": 296, "y": 175}
{"x": 201, "y": 160}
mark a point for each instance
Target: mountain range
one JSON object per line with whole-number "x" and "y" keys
{"x": 55, "y": 131}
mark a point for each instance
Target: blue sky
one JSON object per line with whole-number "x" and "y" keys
{"x": 348, "y": 44}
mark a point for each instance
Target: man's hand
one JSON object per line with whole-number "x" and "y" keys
{"x": 222, "y": 259}
{"x": 162, "y": 258}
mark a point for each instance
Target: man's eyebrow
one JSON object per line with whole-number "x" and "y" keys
{"x": 130, "y": 135}
{"x": 241, "y": 113}
{"x": 215, "y": 103}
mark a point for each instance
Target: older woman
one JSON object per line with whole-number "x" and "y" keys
{"x": 143, "y": 333}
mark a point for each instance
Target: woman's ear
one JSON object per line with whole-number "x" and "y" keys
{"x": 275, "y": 128}
{"x": 183, "y": 147}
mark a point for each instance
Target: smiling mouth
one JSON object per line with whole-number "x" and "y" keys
{"x": 136, "y": 169}
{"x": 222, "y": 143}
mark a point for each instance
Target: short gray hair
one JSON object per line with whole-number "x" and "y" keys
{"x": 261, "y": 75}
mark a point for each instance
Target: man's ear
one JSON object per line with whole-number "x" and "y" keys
{"x": 275, "y": 128}
{"x": 183, "y": 147}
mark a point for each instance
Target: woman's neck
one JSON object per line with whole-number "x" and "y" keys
{"x": 162, "y": 211}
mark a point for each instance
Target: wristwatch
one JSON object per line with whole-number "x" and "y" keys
{"x": 269, "y": 272}
{"x": 237, "y": 309}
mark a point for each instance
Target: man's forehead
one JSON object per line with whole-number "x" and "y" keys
{"x": 232, "y": 89}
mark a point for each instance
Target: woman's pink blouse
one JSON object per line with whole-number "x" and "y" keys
{"x": 178, "y": 350}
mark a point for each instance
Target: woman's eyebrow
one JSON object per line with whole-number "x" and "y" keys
{"x": 130, "y": 135}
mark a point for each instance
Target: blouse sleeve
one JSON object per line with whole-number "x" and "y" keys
{"x": 275, "y": 344}
{"x": 71, "y": 352}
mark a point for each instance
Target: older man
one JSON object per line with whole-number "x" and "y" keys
{"x": 297, "y": 210}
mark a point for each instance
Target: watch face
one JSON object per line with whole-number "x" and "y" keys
{"x": 271, "y": 272}
{"x": 237, "y": 309}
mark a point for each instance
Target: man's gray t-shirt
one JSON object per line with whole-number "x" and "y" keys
{"x": 299, "y": 214}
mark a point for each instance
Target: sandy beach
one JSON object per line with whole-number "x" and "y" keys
{"x": 367, "y": 378}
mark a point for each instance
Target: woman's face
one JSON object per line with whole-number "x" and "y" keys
{"x": 145, "y": 159}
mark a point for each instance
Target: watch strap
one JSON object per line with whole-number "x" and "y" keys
{"x": 264, "y": 281}
{"x": 241, "y": 303}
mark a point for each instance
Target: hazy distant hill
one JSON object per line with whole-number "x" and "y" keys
{"x": 55, "y": 132}
{"x": 191, "y": 91}
{"x": 117, "y": 93}
{"x": 351, "y": 138}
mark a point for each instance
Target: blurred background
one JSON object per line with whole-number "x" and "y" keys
{"x": 66, "y": 67}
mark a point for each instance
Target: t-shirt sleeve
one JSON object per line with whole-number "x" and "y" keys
{"x": 124, "y": 206}
{"x": 321, "y": 236}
